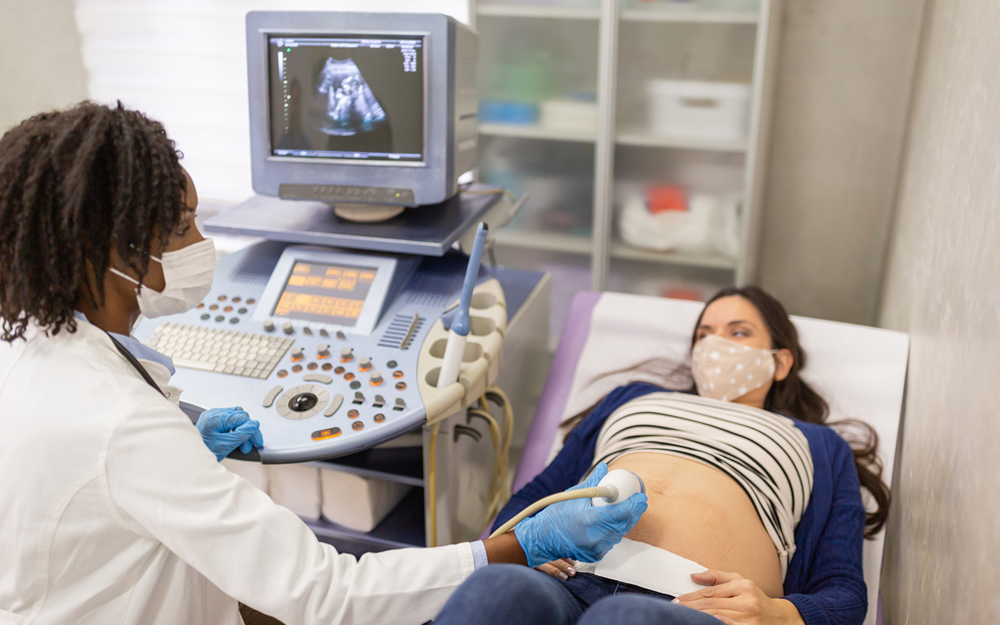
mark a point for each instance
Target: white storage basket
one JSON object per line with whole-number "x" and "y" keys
{"x": 692, "y": 109}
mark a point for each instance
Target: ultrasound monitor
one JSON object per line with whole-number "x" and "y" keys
{"x": 364, "y": 111}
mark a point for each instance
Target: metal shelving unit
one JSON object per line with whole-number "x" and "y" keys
{"x": 597, "y": 46}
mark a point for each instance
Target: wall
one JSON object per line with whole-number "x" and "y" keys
{"x": 183, "y": 62}
{"x": 41, "y": 68}
{"x": 943, "y": 556}
{"x": 843, "y": 87}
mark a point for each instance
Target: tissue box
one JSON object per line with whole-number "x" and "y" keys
{"x": 356, "y": 502}
{"x": 253, "y": 472}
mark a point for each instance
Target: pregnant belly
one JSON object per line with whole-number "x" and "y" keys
{"x": 702, "y": 514}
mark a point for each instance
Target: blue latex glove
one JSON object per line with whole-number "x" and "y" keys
{"x": 576, "y": 529}
{"x": 225, "y": 429}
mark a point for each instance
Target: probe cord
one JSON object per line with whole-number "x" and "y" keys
{"x": 499, "y": 491}
{"x": 432, "y": 484}
{"x": 580, "y": 493}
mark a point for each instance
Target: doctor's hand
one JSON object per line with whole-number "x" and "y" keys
{"x": 735, "y": 600}
{"x": 576, "y": 529}
{"x": 225, "y": 429}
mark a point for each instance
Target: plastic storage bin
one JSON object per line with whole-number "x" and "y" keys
{"x": 692, "y": 109}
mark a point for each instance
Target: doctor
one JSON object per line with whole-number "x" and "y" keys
{"x": 112, "y": 510}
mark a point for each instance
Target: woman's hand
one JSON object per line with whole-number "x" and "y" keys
{"x": 225, "y": 429}
{"x": 575, "y": 529}
{"x": 735, "y": 600}
{"x": 559, "y": 569}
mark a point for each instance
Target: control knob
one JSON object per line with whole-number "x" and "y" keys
{"x": 346, "y": 354}
{"x": 376, "y": 378}
{"x": 365, "y": 363}
{"x": 296, "y": 354}
{"x": 269, "y": 325}
{"x": 287, "y": 327}
{"x": 322, "y": 351}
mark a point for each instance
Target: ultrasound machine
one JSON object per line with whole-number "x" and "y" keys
{"x": 330, "y": 332}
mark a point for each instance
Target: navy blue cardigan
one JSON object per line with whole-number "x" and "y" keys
{"x": 824, "y": 580}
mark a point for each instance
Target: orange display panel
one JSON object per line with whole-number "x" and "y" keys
{"x": 325, "y": 293}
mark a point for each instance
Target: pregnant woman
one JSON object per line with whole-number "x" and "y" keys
{"x": 755, "y": 510}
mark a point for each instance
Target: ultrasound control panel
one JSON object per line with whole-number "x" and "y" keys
{"x": 319, "y": 345}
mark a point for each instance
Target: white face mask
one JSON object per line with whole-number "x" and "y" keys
{"x": 187, "y": 273}
{"x": 726, "y": 370}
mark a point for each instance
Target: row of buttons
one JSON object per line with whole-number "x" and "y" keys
{"x": 288, "y": 328}
{"x": 295, "y": 399}
{"x": 364, "y": 364}
{"x": 225, "y": 309}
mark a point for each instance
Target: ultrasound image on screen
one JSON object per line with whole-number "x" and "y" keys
{"x": 347, "y": 97}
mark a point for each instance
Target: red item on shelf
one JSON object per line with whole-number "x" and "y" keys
{"x": 682, "y": 293}
{"x": 666, "y": 198}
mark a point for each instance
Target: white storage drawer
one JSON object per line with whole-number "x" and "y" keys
{"x": 711, "y": 110}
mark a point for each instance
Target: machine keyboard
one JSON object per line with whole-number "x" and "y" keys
{"x": 222, "y": 351}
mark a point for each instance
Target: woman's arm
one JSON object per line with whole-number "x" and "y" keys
{"x": 576, "y": 456}
{"x": 164, "y": 484}
{"x": 835, "y": 591}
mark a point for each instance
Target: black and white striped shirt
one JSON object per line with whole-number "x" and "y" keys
{"x": 762, "y": 451}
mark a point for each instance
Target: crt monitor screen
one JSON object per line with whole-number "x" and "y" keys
{"x": 325, "y": 293}
{"x": 347, "y": 97}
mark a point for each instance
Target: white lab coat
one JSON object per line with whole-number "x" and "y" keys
{"x": 112, "y": 510}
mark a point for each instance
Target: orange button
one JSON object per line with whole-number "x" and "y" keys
{"x": 353, "y": 414}
{"x": 348, "y": 376}
{"x": 379, "y": 418}
{"x": 400, "y": 386}
{"x": 357, "y": 425}
{"x": 321, "y": 435}
{"x": 397, "y": 374}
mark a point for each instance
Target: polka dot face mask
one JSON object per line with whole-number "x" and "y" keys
{"x": 725, "y": 369}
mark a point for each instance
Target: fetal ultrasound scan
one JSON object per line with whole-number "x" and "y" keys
{"x": 347, "y": 98}
{"x": 351, "y": 106}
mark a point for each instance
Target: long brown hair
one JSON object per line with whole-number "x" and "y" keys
{"x": 794, "y": 398}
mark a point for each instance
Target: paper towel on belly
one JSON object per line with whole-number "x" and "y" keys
{"x": 646, "y": 566}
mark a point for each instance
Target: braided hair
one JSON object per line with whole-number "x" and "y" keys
{"x": 73, "y": 185}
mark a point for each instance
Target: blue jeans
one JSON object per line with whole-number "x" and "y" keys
{"x": 502, "y": 594}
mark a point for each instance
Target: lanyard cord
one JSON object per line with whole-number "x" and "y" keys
{"x": 135, "y": 364}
